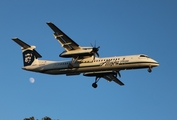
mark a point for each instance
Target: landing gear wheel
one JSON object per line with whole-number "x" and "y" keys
{"x": 149, "y": 70}
{"x": 94, "y": 85}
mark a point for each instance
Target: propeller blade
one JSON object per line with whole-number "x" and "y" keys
{"x": 97, "y": 54}
{"x": 91, "y": 44}
{"x": 119, "y": 74}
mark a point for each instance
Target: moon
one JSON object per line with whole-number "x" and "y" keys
{"x": 32, "y": 80}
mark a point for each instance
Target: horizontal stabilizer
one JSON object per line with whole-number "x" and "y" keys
{"x": 26, "y": 46}
{"x": 21, "y": 43}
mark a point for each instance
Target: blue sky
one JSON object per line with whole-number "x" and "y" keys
{"x": 120, "y": 27}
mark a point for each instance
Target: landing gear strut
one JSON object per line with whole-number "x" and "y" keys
{"x": 94, "y": 85}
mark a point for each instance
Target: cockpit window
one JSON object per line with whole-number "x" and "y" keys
{"x": 144, "y": 56}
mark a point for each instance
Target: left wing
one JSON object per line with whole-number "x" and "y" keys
{"x": 64, "y": 40}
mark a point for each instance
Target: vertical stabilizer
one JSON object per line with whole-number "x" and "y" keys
{"x": 30, "y": 55}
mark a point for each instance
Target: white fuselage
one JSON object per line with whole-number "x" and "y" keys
{"x": 99, "y": 64}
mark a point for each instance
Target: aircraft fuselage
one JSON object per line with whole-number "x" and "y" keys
{"x": 99, "y": 64}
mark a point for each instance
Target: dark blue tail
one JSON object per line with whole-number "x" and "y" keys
{"x": 28, "y": 57}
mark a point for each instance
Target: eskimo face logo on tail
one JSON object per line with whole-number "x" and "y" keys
{"x": 28, "y": 57}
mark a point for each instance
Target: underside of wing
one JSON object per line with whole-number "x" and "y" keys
{"x": 64, "y": 40}
{"x": 108, "y": 75}
{"x": 111, "y": 77}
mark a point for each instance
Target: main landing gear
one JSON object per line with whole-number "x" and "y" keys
{"x": 94, "y": 85}
{"x": 149, "y": 69}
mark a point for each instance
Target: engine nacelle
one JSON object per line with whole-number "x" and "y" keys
{"x": 98, "y": 73}
{"x": 76, "y": 53}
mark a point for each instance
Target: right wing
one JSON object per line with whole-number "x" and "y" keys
{"x": 108, "y": 75}
{"x": 111, "y": 77}
{"x": 64, "y": 40}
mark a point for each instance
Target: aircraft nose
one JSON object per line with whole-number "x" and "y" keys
{"x": 155, "y": 63}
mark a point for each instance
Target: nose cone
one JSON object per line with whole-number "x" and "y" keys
{"x": 154, "y": 63}
{"x": 157, "y": 64}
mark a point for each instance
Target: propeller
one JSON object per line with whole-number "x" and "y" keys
{"x": 118, "y": 73}
{"x": 95, "y": 50}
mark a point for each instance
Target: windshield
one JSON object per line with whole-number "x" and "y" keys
{"x": 144, "y": 56}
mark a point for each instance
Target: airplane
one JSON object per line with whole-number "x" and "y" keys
{"x": 83, "y": 60}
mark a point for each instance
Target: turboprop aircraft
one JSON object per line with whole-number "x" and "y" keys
{"x": 83, "y": 60}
